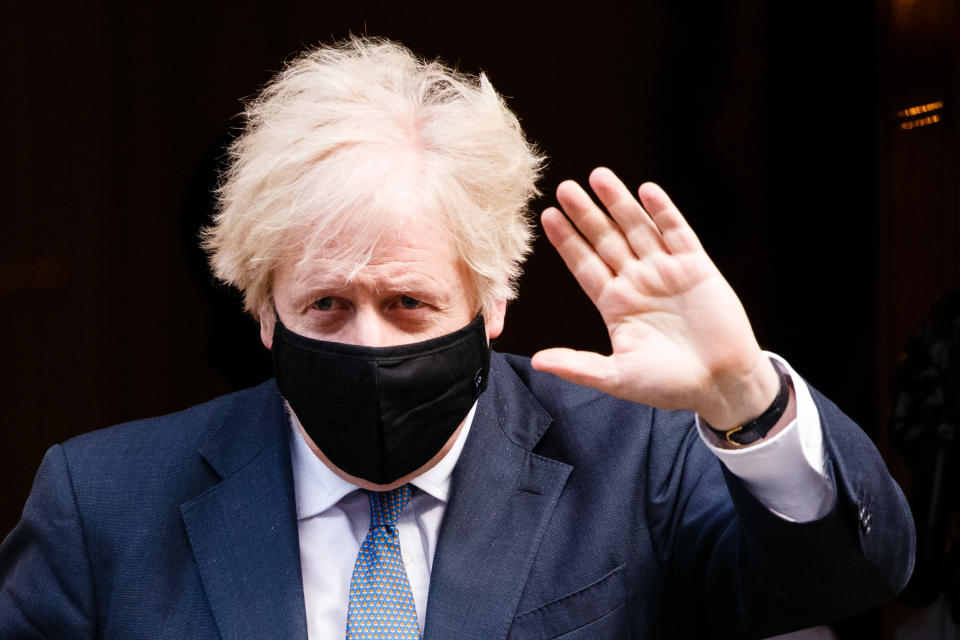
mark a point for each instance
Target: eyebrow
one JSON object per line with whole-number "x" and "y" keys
{"x": 403, "y": 282}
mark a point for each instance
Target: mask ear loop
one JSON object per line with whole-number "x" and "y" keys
{"x": 278, "y": 326}
{"x": 276, "y": 319}
{"x": 479, "y": 379}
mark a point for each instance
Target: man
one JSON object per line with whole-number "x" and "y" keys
{"x": 397, "y": 478}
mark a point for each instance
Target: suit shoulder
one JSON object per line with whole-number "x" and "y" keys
{"x": 551, "y": 391}
{"x": 559, "y": 396}
{"x": 162, "y": 438}
{"x": 580, "y": 407}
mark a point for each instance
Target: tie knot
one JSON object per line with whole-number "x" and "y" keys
{"x": 385, "y": 506}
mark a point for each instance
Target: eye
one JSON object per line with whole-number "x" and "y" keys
{"x": 324, "y": 304}
{"x": 409, "y": 303}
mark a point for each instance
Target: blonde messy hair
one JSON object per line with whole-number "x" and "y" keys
{"x": 329, "y": 140}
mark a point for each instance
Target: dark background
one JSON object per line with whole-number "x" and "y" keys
{"x": 773, "y": 126}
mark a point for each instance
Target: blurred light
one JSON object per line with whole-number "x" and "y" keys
{"x": 919, "y": 122}
{"x": 920, "y": 108}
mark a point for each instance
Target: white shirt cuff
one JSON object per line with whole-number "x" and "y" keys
{"x": 786, "y": 473}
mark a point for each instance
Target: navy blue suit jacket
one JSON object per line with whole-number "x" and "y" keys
{"x": 572, "y": 515}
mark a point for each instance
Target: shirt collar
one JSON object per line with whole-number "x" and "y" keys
{"x": 317, "y": 488}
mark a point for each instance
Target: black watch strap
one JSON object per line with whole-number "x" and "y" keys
{"x": 750, "y": 432}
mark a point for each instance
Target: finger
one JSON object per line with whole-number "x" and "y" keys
{"x": 582, "y": 367}
{"x": 596, "y": 226}
{"x": 677, "y": 235}
{"x": 640, "y": 231}
{"x": 591, "y": 272}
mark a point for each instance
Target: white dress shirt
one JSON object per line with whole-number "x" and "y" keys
{"x": 786, "y": 473}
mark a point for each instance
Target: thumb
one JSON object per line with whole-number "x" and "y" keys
{"x": 582, "y": 367}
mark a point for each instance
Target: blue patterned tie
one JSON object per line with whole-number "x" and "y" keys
{"x": 381, "y": 602}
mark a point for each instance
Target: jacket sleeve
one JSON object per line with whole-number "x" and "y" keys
{"x": 46, "y": 588}
{"x": 738, "y": 570}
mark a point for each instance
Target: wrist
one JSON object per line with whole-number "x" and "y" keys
{"x": 741, "y": 399}
{"x": 777, "y": 414}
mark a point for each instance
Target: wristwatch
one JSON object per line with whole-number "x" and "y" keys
{"x": 750, "y": 432}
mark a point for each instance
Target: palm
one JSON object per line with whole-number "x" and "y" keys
{"x": 676, "y": 327}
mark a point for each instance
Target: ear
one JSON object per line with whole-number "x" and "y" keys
{"x": 266, "y": 328}
{"x": 493, "y": 319}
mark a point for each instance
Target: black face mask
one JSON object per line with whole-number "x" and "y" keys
{"x": 379, "y": 413}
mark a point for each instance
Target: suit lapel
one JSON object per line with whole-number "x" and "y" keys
{"x": 243, "y": 530}
{"x": 501, "y": 501}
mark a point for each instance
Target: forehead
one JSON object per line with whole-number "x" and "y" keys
{"x": 405, "y": 252}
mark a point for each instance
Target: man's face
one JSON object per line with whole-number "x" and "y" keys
{"x": 413, "y": 288}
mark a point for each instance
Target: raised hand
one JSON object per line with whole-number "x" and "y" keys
{"x": 680, "y": 337}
